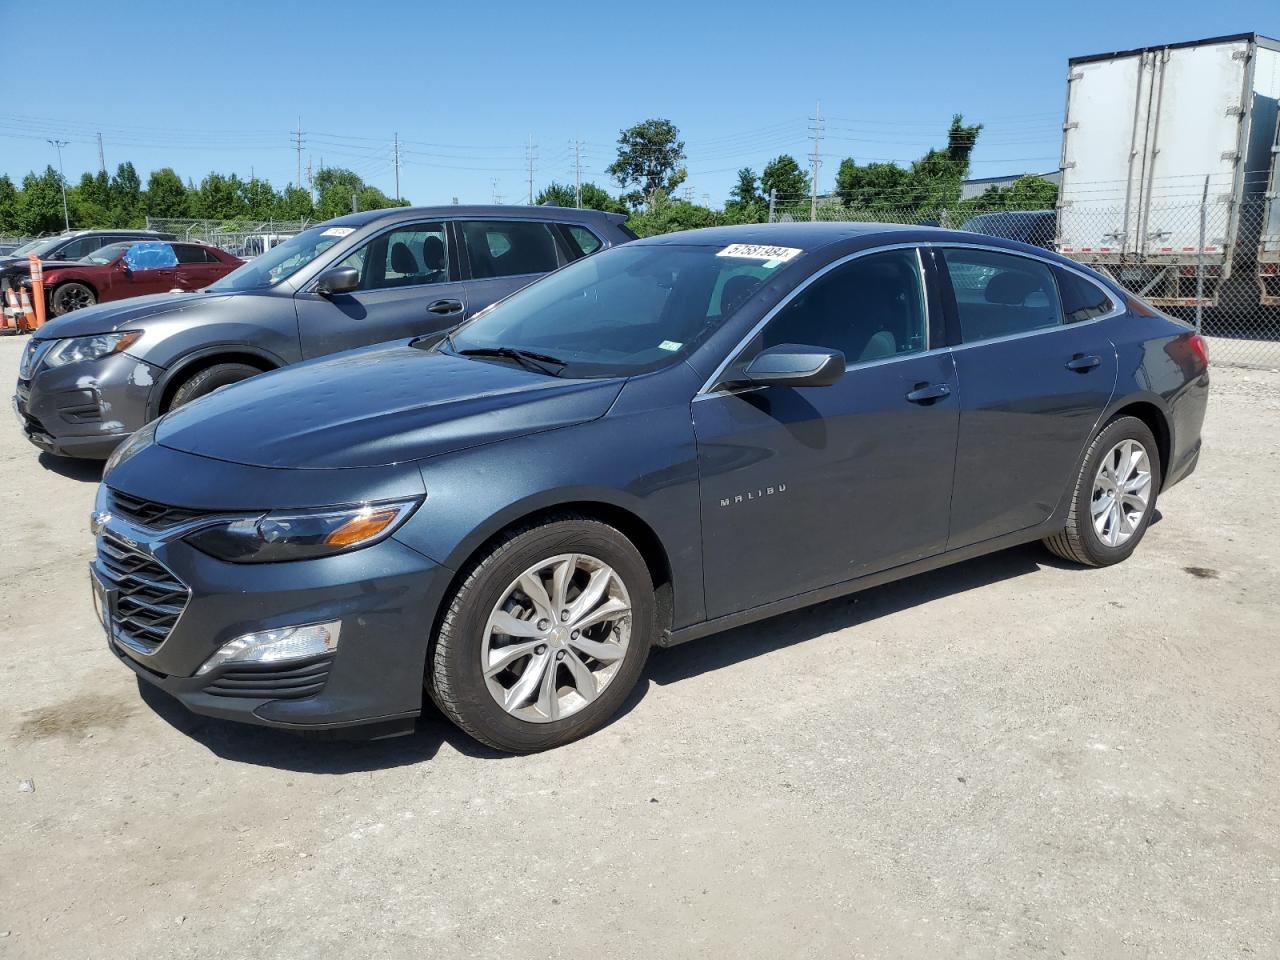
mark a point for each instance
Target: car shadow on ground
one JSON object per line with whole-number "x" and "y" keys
{"x": 314, "y": 753}
{"x": 86, "y": 471}
{"x": 241, "y": 743}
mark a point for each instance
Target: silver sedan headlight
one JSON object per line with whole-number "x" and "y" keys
{"x": 96, "y": 347}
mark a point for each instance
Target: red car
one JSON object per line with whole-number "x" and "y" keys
{"x": 122, "y": 270}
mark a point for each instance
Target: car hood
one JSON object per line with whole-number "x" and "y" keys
{"x": 380, "y": 405}
{"x": 106, "y": 317}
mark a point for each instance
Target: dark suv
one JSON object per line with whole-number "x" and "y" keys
{"x": 67, "y": 248}
{"x": 89, "y": 379}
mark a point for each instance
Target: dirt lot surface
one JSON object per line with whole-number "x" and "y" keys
{"x": 1009, "y": 758}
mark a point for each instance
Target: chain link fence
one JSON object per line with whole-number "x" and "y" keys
{"x": 1212, "y": 263}
{"x": 243, "y": 238}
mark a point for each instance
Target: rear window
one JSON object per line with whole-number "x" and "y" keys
{"x": 1081, "y": 299}
{"x": 584, "y": 241}
{"x": 509, "y": 248}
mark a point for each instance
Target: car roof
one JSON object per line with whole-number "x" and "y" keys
{"x": 502, "y": 211}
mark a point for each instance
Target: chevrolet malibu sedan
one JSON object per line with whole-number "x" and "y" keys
{"x": 668, "y": 439}
{"x": 89, "y": 379}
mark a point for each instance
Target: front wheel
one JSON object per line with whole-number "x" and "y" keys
{"x": 1114, "y": 496}
{"x": 71, "y": 296}
{"x": 546, "y": 636}
{"x": 210, "y": 379}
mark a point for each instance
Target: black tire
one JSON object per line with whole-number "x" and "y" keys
{"x": 71, "y": 296}
{"x": 1080, "y": 542}
{"x": 211, "y": 379}
{"x": 455, "y": 680}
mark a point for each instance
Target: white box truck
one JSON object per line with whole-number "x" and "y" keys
{"x": 1167, "y": 153}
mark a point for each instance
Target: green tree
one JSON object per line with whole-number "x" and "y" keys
{"x": 335, "y": 188}
{"x": 40, "y": 202}
{"x": 746, "y": 203}
{"x": 259, "y": 197}
{"x": 219, "y": 197}
{"x": 784, "y": 176}
{"x": 8, "y": 205}
{"x": 126, "y": 197}
{"x": 936, "y": 177}
{"x": 593, "y": 197}
{"x": 294, "y": 203}
{"x": 166, "y": 194}
{"x": 665, "y": 215}
{"x": 650, "y": 158}
{"x": 875, "y": 185}
{"x": 1025, "y": 193}
{"x": 90, "y": 201}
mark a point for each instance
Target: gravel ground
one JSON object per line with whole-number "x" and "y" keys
{"x": 1008, "y": 758}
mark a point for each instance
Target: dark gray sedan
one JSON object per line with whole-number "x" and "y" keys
{"x": 89, "y": 379}
{"x": 674, "y": 437}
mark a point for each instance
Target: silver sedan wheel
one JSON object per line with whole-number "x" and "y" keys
{"x": 1121, "y": 492}
{"x": 556, "y": 638}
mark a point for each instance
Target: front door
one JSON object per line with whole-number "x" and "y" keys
{"x": 806, "y": 487}
{"x": 1032, "y": 386}
{"x": 409, "y": 287}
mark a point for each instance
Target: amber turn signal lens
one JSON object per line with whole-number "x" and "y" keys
{"x": 362, "y": 528}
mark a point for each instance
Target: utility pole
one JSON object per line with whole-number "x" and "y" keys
{"x": 102, "y": 160}
{"x": 529, "y": 155}
{"x": 497, "y": 197}
{"x": 397, "y": 149}
{"x": 816, "y": 159}
{"x": 577, "y": 174}
{"x": 62, "y": 180}
{"x": 311, "y": 181}
{"x": 297, "y": 144}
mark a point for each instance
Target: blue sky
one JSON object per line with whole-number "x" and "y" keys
{"x": 221, "y": 86}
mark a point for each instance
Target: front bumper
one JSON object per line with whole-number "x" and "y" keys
{"x": 85, "y": 409}
{"x": 385, "y": 597}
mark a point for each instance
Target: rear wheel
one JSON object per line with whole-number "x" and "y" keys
{"x": 543, "y": 641}
{"x": 211, "y": 379}
{"x": 1114, "y": 497}
{"x": 71, "y": 296}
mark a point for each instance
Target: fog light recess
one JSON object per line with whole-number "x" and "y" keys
{"x": 280, "y": 644}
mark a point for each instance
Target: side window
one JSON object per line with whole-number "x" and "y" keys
{"x": 509, "y": 248}
{"x": 409, "y": 256}
{"x": 871, "y": 308}
{"x": 150, "y": 256}
{"x": 999, "y": 294}
{"x": 1081, "y": 299}
{"x": 79, "y": 248}
{"x": 583, "y": 239}
{"x": 189, "y": 254}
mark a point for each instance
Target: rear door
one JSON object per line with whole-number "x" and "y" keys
{"x": 1034, "y": 380}
{"x": 196, "y": 268}
{"x": 505, "y": 255}
{"x": 409, "y": 286}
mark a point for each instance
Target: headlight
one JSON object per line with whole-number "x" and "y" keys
{"x": 302, "y": 535}
{"x": 90, "y": 348}
{"x": 137, "y": 442}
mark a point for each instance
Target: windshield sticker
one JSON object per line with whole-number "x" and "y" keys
{"x": 338, "y": 231}
{"x": 760, "y": 251}
{"x": 669, "y": 345}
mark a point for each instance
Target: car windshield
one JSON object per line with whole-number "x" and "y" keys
{"x": 106, "y": 254}
{"x": 280, "y": 263}
{"x": 38, "y": 247}
{"x": 621, "y": 312}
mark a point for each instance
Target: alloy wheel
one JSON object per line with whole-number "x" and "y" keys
{"x": 556, "y": 637}
{"x": 1121, "y": 492}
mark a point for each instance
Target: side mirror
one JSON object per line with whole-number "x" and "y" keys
{"x": 795, "y": 365}
{"x": 337, "y": 280}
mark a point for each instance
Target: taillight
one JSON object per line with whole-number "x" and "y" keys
{"x": 1200, "y": 348}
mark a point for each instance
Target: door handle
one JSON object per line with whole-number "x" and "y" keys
{"x": 929, "y": 392}
{"x": 1080, "y": 363}
{"x": 445, "y": 306}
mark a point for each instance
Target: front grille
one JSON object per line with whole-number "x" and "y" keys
{"x": 269, "y": 681}
{"x": 149, "y": 599}
{"x": 148, "y": 513}
{"x": 32, "y": 355}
